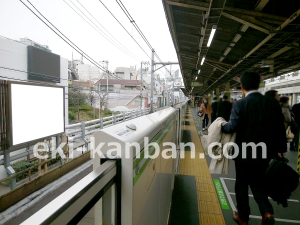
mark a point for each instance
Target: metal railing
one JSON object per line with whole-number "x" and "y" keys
{"x": 74, "y": 204}
{"x": 81, "y": 130}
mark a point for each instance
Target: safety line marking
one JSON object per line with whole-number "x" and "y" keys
{"x": 228, "y": 195}
{"x": 251, "y": 216}
{"x": 221, "y": 195}
{"x": 290, "y": 200}
{"x": 225, "y": 178}
{"x": 277, "y": 219}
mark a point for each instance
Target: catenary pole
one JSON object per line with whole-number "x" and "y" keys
{"x": 152, "y": 80}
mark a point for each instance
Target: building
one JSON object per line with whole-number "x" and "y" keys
{"x": 84, "y": 86}
{"x": 125, "y": 73}
{"x": 177, "y": 73}
{"x": 121, "y": 92}
{"x": 146, "y": 73}
{"x": 27, "y": 41}
{"x": 85, "y": 72}
{"x": 134, "y": 73}
{"x": 14, "y": 56}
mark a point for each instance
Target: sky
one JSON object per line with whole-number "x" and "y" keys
{"x": 16, "y": 22}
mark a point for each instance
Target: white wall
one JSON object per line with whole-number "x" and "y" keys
{"x": 87, "y": 72}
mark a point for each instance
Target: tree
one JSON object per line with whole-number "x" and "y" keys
{"x": 102, "y": 98}
{"x": 92, "y": 97}
{"x": 75, "y": 97}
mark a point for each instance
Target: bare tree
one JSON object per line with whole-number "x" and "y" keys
{"x": 102, "y": 98}
{"x": 92, "y": 97}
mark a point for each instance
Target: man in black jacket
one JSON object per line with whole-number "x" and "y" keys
{"x": 224, "y": 108}
{"x": 255, "y": 120}
{"x": 214, "y": 107}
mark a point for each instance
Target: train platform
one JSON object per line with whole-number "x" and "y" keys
{"x": 215, "y": 192}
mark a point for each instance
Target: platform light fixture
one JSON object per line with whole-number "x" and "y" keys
{"x": 199, "y": 71}
{"x": 212, "y": 33}
{"x": 202, "y": 61}
{"x": 196, "y": 78}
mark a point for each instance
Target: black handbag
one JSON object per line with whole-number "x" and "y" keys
{"x": 280, "y": 181}
{"x": 200, "y": 113}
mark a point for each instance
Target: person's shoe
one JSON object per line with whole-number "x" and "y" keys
{"x": 268, "y": 219}
{"x": 237, "y": 219}
{"x": 204, "y": 129}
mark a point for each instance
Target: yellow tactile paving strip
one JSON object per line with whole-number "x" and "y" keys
{"x": 210, "y": 212}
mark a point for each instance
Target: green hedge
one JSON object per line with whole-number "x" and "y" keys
{"x": 91, "y": 114}
{"x": 86, "y": 107}
{"x": 23, "y": 165}
{"x": 73, "y": 109}
{"x": 107, "y": 112}
{"x": 72, "y": 116}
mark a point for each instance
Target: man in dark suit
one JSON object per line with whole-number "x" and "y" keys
{"x": 214, "y": 107}
{"x": 224, "y": 108}
{"x": 255, "y": 119}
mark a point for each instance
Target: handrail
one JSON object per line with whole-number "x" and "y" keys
{"x": 89, "y": 127}
{"x": 72, "y": 205}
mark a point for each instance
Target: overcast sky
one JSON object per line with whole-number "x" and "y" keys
{"x": 16, "y": 21}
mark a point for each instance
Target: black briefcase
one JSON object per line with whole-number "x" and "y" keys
{"x": 280, "y": 181}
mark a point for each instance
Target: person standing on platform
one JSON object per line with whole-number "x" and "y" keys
{"x": 284, "y": 103}
{"x": 224, "y": 108}
{"x": 295, "y": 143}
{"x": 214, "y": 107}
{"x": 206, "y": 109}
{"x": 197, "y": 105}
{"x": 273, "y": 94}
{"x": 256, "y": 120}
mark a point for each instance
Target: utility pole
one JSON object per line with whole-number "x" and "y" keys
{"x": 141, "y": 85}
{"x": 152, "y": 76}
{"x": 152, "y": 81}
{"x": 141, "y": 92}
{"x": 107, "y": 82}
{"x": 107, "y": 74}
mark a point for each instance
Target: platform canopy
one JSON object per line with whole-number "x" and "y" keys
{"x": 261, "y": 35}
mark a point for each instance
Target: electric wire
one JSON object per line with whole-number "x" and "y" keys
{"x": 133, "y": 23}
{"x": 124, "y": 29}
{"x": 121, "y": 5}
{"x": 76, "y": 48}
{"x": 106, "y": 30}
{"x": 80, "y": 51}
{"x": 99, "y": 30}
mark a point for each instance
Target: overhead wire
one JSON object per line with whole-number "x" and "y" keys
{"x": 132, "y": 21}
{"x": 124, "y": 28}
{"x": 63, "y": 37}
{"x": 103, "y": 34}
{"x": 76, "y": 48}
{"x": 106, "y": 29}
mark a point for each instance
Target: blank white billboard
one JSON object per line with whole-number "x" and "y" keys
{"x": 36, "y": 112}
